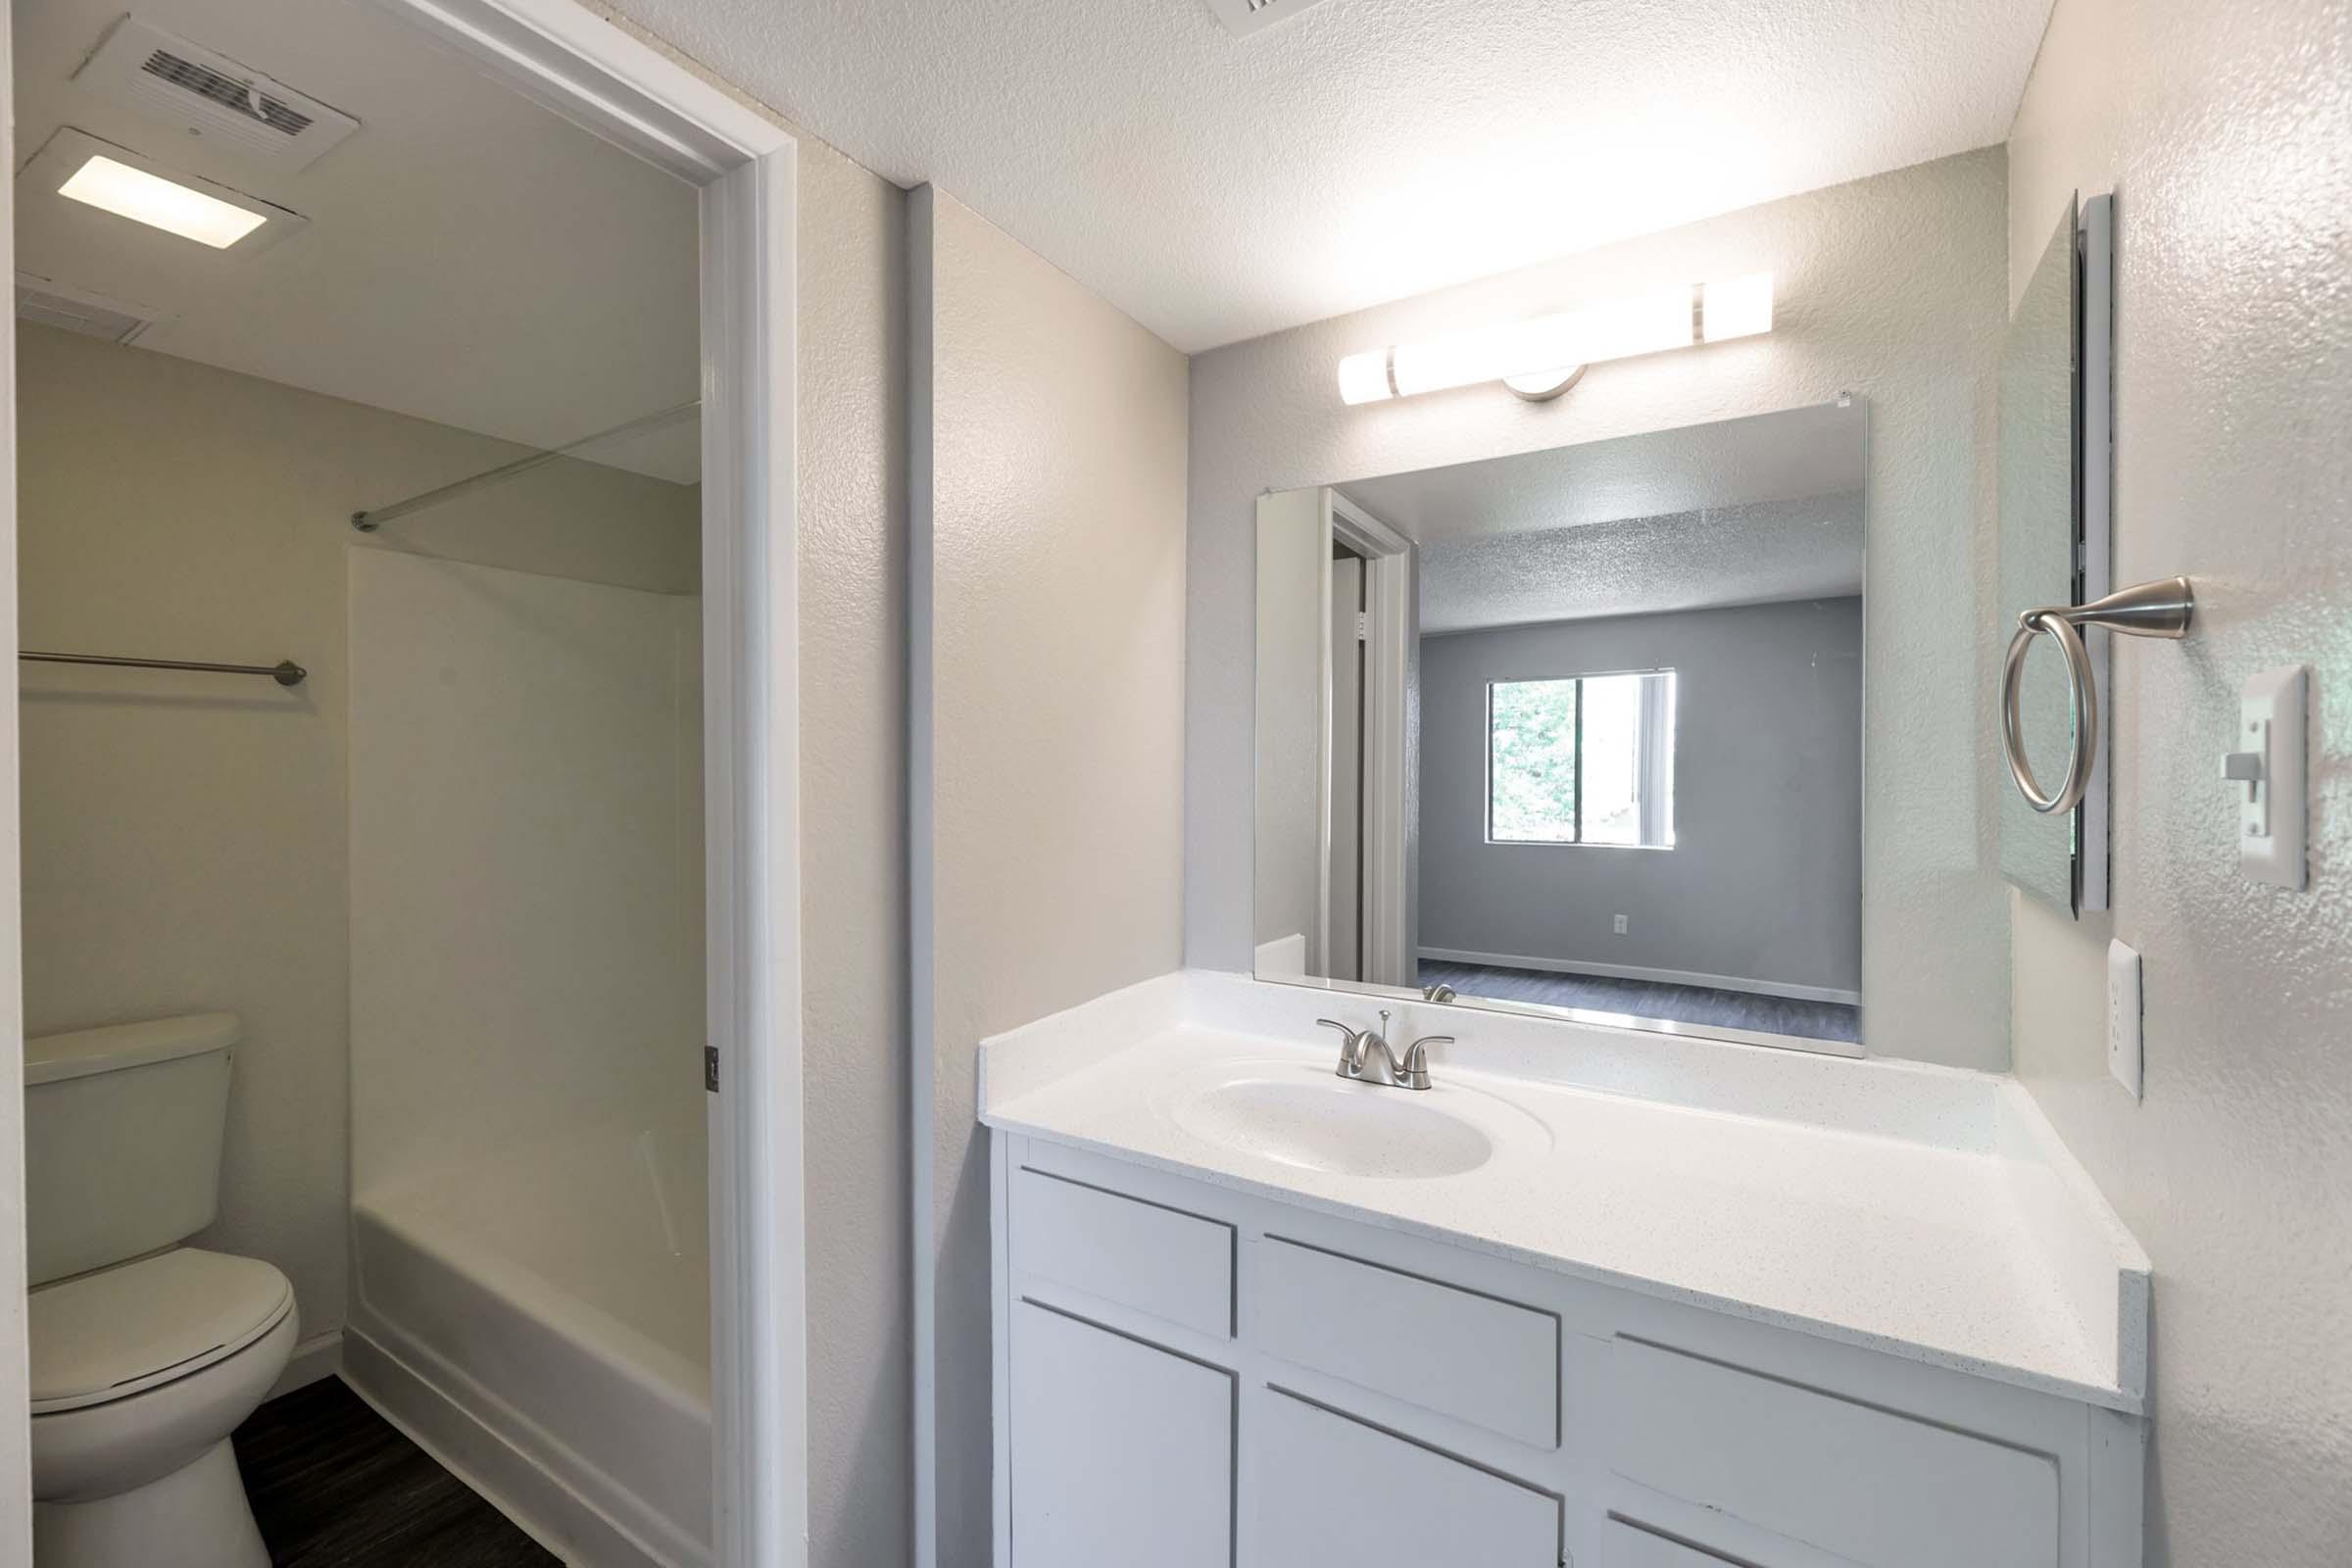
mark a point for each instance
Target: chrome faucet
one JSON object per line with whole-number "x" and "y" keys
{"x": 1365, "y": 1056}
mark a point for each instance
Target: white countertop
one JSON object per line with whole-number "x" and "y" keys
{"x": 1922, "y": 1211}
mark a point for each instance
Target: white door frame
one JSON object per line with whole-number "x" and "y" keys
{"x": 1386, "y": 890}
{"x": 16, "y": 1384}
{"x": 588, "y": 71}
{"x": 567, "y": 59}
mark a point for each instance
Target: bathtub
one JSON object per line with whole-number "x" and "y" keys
{"x": 540, "y": 1320}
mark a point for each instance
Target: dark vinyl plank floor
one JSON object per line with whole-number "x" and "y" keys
{"x": 1648, "y": 999}
{"x": 334, "y": 1484}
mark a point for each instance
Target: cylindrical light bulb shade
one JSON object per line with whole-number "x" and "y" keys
{"x": 1736, "y": 306}
{"x": 1364, "y": 377}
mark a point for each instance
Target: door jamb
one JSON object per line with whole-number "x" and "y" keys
{"x": 572, "y": 62}
{"x": 1389, "y": 566}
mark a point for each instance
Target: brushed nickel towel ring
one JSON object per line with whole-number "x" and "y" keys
{"x": 2163, "y": 607}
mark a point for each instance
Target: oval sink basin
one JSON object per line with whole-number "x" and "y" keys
{"x": 1344, "y": 1128}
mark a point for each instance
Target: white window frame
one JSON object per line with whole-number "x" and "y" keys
{"x": 1657, "y": 715}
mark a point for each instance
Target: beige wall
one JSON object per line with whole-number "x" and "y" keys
{"x": 184, "y": 835}
{"x": 2222, "y": 131}
{"x": 1890, "y": 287}
{"x": 855, "y": 1063}
{"x": 1049, "y": 449}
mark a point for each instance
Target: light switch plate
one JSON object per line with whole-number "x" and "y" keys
{"x": 2270, "y": 805}
{"x": 2124, "y": 1035}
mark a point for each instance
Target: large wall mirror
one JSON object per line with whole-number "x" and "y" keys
{"x": 1577, "y": 730}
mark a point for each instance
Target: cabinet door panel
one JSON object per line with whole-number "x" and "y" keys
{"x": 1122, "y": 1452}
{"x": 1334, "y": 1493}
{"x": 1885, "y": 1490}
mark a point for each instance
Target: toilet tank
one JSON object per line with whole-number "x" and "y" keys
{"x": 123, "y": 1131}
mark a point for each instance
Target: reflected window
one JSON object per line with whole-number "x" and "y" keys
{"x": 1583, "y": 760}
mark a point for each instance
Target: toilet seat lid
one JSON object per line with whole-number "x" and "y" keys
{"x": 110, "y": 1334}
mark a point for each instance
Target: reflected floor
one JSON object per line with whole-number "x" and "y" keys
{"x": 1648, "y": 999}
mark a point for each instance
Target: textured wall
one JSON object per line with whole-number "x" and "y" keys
{"x": 855, "y": 1071}
{"x": 1890, "y": 287}
{"x": 1764, "y": 881}
{"x": 184, "y": 835}
{"x": 1048, "y": 587}
{"x": 2223, "y": 132}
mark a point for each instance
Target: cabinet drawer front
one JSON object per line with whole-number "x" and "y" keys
{"x": 1173, "y": 1265}
{"x": 1125, "y": 1452}
{"x": 1489, "y": 1362}
{"x": 1334, "y": 1493}
{"x": 1866, "y": 1484}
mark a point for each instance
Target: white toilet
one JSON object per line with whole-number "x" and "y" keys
{"x": 145, "y": 1354}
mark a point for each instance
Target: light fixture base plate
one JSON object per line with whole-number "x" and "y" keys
{"x": 1545, "y": 385}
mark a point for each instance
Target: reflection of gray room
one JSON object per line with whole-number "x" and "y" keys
{"x": 1760, "y": 894}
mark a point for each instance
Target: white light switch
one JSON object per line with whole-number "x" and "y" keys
{"x": 2124, "y": 1058}
{"x": 2263, "y": 767}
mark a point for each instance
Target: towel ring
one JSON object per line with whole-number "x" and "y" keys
{"x": 2160, "y": 608}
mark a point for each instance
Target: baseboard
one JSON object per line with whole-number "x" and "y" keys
{"x": 1629, "y": 971}
{"x": 538, "y": 1503}
{"x": 317, "y": 1358}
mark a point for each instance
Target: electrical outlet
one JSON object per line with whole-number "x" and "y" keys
{"x": 2124, "y": 1049}
{"x": 1621, "y": 925}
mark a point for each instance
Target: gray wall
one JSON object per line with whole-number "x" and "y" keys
{"x": 1890, "y": 287}
{"x": 2222, "y": 129}
{"x": 1764, "y": 881}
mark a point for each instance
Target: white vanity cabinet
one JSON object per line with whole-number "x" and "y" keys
{"x": 1192, "y": 1375}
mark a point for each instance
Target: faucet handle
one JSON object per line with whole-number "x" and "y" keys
{"x": 1348, "y": 1043}
{"x": 1413, "y": 1072}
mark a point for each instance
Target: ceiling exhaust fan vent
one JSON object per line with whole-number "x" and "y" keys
{"x": 50, "y": 303}
{"x": 237, "y": 97}
{"x": 1242, "y": 18}
{"x": 207, "y": 94}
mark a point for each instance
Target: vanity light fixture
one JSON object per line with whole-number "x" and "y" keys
{"x": 1543, "y": 357}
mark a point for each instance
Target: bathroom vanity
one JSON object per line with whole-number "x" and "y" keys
{"x": 1596, "y": 1297}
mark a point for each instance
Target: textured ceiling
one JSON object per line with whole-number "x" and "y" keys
{"x": 1731, "y": 512}
{"x": 1786, "y": 456}
{"x": 470, "y": 259}
{"x": 1761, "y": 552}
{"x": 1216, "y": 188}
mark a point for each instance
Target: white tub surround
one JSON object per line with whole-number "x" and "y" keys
{"x": 1679, "y": 1293}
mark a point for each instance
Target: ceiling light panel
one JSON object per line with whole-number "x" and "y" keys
{"x": 78, "y": 168}
{"x": 158, "y": 203}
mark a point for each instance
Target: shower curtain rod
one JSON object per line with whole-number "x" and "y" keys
{"x": 285, "y": 672}
{"x": 375, "y": 517}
